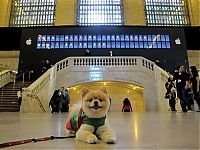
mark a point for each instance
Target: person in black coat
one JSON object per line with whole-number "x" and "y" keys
{"x": 195, "y": 85}
{"x": 65, "y": 101}
{"x": 56, "y": 100}
{"x": 87, "y": 53}
{"x": 171, "y": 94}
{"x": 182, "y": 84}
{"x": 46, "y": 66}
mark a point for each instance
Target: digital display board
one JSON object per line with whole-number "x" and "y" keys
{"x": 56, "y": 43}
{"x": 66, "y": 41}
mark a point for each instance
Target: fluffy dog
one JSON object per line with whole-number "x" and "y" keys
{"x": 88, "y": 122}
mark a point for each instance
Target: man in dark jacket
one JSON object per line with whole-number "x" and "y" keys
{"x": 171, "y": 94}
{"x": 65, "y": 101}
{"x": 87, "y": 53}
{"x": 56, "y": 100}
{"x": 182, "y": 84}
{"x": 46, "y": 66}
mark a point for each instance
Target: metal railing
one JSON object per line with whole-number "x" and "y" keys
{"x": 38, "y": 86}
{"x": 6, "y": 76}
{"x": 23, "y": 74}
{"x": 38, "y": 100}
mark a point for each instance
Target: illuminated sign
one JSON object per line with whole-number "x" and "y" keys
{"x": 101, "y": 41}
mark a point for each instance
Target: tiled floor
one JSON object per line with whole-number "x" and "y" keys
{"x": 149, "y": 130}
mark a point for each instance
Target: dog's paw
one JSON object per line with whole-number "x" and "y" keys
{"x": 92, "y": 139}
{"x": 109, "y": 139}
{"x": 69, "y": 133}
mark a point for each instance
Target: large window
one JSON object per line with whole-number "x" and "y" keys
{"x": 167, "y": 13}
{"x": 32, "y": 13}
{"x": 100, "y": 12}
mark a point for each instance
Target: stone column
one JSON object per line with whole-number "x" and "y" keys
{"x": 134, "y": 12}
{"x": 194, "y": 6}
{"x": 65, "y": 12}
{"x": 5, "y": 9}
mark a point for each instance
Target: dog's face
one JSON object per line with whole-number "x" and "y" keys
{"x": 95, "y": 102}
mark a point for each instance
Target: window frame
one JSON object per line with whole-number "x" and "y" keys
{"x": 111, "y": 7}
{"x": 156, "y": 12}
{"x": 40, "y": 12}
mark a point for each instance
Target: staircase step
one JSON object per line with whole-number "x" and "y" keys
{"x": 8, "y": 96}
{"x": 9, "y": 90}
{"x": 9, "y": 100}
{"x": 9, "y": 104}
{"x": 8, "y": 109}
{"x": 13, "y": 93}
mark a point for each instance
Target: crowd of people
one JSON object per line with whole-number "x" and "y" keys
{"x": 89, "y": 53}
{"x": 186, "y": 85}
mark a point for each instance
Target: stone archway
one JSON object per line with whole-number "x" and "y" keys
{"x": 118, "y": 91}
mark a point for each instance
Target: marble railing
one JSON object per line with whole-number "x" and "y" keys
{"x": 104, "y": 61}
{"x": 7, "y": 76}
{"x": 76, "y": 70}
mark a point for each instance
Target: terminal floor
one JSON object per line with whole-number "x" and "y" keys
{"x": 135, "y": 131}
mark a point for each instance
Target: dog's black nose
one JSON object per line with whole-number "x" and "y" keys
{"x": 95, "y": 103}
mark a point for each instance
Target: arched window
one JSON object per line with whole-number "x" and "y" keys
{"x": 167, "y": 13}
{"x": 32, "y": 13}
{"x": 100, "y": 12}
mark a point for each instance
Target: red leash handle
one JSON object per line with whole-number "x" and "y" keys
{"x": 14, "y": 143}
{"x": 8, "y": 144}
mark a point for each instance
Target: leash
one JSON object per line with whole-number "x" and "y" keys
{"x": 14, "y": 143}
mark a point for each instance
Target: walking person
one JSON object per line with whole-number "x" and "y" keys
{"x": 46, "y": 65}
{"x": 87, "y": 53}
{"x": 57, "y": 100}
{"x": 110, "y": 53}
{"x": 182, "y": 84}
{"x": 126, "y": 107}
{"x": 194, "y": 80}
{"x": 157, "y": 62}
{"x": 19, "y": 96}
{"x": 65, "y": 101}
{"x": 171, "y": 94}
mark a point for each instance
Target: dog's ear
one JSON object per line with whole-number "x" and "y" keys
{"x": 103, "y": 89}
{"x": 84, "y": 91}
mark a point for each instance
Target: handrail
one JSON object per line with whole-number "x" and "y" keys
{"x": 21, "y": 74}
{"x": 2, "y": 94}
{"x": 42, "y": 80}
{"x": 85, "y": 61}
{"x": 38, "y": 100}
{"x": 6, "y": 76}
{"x": 23, "y": 77}
{"x": 104, "y": 61}
{"x": 45, "y": 79}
